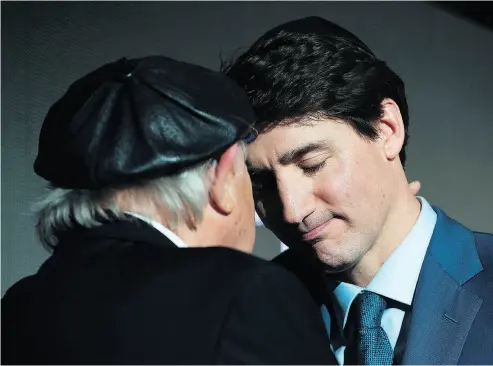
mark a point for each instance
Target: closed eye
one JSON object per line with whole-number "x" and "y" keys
{"x": 313, "y": 168}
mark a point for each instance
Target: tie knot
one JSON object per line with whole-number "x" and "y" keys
{"x": 369, "y": 307}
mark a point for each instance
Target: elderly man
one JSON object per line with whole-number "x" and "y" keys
{"x": 149, "y": 213}
{"x": 397, "y": 280}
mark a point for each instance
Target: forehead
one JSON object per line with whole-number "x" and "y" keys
{"x": 274, "y": 143}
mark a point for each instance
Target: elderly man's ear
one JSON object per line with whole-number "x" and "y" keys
{"x": 223, "y": 189}
{"x": 415, "y": 187}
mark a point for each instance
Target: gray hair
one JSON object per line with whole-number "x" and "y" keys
{"x": 184, "y": 195}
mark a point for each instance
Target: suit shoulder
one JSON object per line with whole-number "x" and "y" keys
{"x": 21, "y": 288}
{"x": 271, "y": 286}
{"x": 247, "y": 278}
{"x": 484, "y": 238}
{"x": 223, "y": 256}
{"x": 252, "y": 267}
{"x": 225, "y": 266}
{"x": 244, "y": 271}
{"x": 482, "y": 283}
{"x": 484, "y": 246}
{"x": 286, "y": 259}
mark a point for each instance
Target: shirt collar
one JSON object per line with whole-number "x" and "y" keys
{"x": 398, "y": 276}
{"x": 165, "y": 231}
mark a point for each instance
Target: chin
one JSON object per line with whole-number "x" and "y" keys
{"x": 333, "y": 260}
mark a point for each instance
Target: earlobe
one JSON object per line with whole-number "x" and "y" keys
{"x": 221, "y": 196}
{"x": 391, "y": 129}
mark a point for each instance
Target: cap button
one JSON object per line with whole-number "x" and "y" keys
{"x": 124, "y": 69}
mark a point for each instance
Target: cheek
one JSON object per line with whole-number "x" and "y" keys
{"x": 333, "y": 184}
{"x": 350, "y": 184}
{"x": 365, "y": 194}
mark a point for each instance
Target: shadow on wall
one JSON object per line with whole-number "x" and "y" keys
{"x": 478, "y": 12}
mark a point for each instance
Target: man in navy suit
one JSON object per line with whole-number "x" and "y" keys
{"x": 397, "y": 280}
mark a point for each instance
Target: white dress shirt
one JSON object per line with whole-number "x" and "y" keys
{"x": 165, "y": 231}
{"x": 396, "y": 279}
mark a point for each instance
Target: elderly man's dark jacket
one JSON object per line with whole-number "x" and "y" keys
{"x": 124, "y": 294}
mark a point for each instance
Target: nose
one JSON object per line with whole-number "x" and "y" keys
{"x": 295, "y": 199}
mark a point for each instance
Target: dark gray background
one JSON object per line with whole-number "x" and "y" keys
{"x": 446, "y": 62}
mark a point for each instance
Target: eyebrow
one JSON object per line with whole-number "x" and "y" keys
{"x": 295, "y": 155}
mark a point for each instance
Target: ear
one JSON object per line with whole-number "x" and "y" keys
{"x": 415, "y": 187}
{"x": 222, "y": 193}
{"x": 391, "y": 129}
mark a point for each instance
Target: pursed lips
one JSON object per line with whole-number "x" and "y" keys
{"x": 313, "y": 233}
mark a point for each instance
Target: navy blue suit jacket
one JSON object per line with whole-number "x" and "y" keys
{"x": 452, "y": 311}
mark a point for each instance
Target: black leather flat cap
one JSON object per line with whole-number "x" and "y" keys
{"x": 137, "y": 119}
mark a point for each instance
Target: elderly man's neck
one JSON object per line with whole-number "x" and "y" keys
{"x": 185, "y": 228}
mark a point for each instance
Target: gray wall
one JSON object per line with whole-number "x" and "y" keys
{"x": 447, "y": 65}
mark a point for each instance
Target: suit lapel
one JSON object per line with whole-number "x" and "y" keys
{"x": 443, "y": 310}
{"x": 442, "y": 315}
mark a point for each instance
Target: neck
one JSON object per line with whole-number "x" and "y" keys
{"x": 400, "y": 221}
{"x": 187, "y": 233}
{"x": 210, "y": 231}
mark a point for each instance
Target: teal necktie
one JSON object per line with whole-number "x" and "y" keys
{"x": 370, "y": 345}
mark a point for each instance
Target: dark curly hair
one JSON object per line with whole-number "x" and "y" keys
{"x": 289, "y": 75}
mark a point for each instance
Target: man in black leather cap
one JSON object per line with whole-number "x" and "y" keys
{"x": 147, "y": 171}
